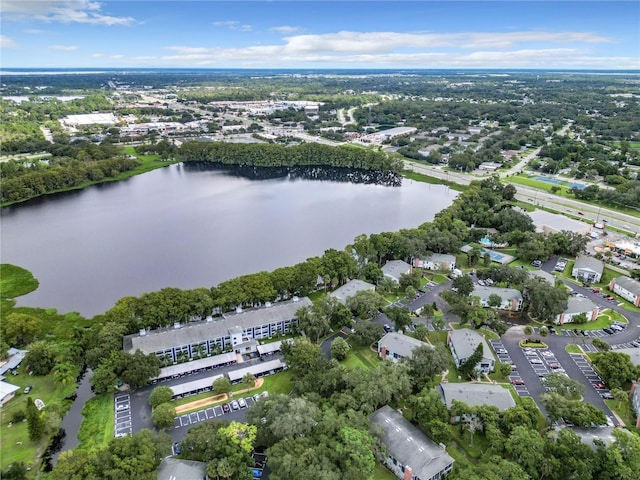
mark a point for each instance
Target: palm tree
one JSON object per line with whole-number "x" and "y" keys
{"x": 64, "y": 373}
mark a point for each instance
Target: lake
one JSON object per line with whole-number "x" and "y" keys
{"x": 187, "y": 227}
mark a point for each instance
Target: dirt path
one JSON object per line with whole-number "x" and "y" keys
{"x": 204, "y": 402}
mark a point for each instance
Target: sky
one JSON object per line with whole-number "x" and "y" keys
{"x": 320, "y": 34}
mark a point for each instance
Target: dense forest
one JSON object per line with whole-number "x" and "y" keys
{"x": 273, "y": 155}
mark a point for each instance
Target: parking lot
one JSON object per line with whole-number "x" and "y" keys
{"x": 123, "y": 415}
{"x": 592, "y": 377}
{"x": 189, "y": 419}
{"x": 515, "y": 379}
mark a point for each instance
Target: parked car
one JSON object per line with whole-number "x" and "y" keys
{"x": 242, "y": 403}
{"x": 386, "y": 327}
{"x": 535, "y": 361}
{"x": 536, "y": 263}
{"x": 256, "y": 397}
{"x": 580, "y": 213}
{"x": 552, "y": 330}
{"x": 607, "y": 395}
{"x": 635, "y": 344}
{"x": 235, "y": 405}
{"x": 600, "y": 386}
{"x": 27, "y": 389}
{"x": 501, "y": 351}
{"x": 554, "y": 365}
{"x": 517, "y": 381}
{"x": 607, "y": 330}
{"x": 596, "y": 290}
{"x": 226, "y": 408}
{"x": 176, "y": 448}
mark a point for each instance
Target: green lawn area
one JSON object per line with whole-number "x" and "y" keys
{"x": 419, "y": 177}
{"x": 98, "y": 423}
{"x": 435, "y": 278}
{"x": 463, "y": 440}
{"x": 438, "y": 338}
{"x": 316, "y": 296}
{"x": 382, "y": 473}
{"x": 15, "y": 281}
{"x": 604, "y": 320}
{"x": 392, "y": 298}
{"x": 625, "y": 412}
{"x": 361, "y": 357}
{"x": 573, "y": 348}
{"x": 489, "y": 335}
{"x": 44, "y": 389}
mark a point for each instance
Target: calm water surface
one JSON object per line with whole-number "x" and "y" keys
{"x": 187, "y": 228}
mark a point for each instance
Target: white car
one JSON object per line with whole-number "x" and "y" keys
{"x": 242, "y": 403}
{"x": 535, "y": 361}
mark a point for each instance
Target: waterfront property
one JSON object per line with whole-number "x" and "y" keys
{"x": 577, "y": 306}
{"x": 236, "y": 332}
{"x": 410, "y": 453}
{"x": 588, "y": 269}
{"x": 463, "y": 343}
{"x": 511, "y": 299}
{"x": 350, "y": 288}
{"x": 627, "y": 288}
{"x": 395, "y": 346}
{"x": 394, "y": 269}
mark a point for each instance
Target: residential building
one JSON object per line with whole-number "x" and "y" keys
{"x": 436, "y": 261}
{"x": 410, "y": 454}
{"x": 237, "y": 332}
{"x": 588, "y": 269}
{"x": 176, "y": 469}
{"x": 576, "y": 306}
{"x": 395, "y": 346}
{"x": 511, "y": 298}
{"x": 7, "y": 392}
{"x": 463, "y": 343}
{"x": 350, "y": 288}
{"x": 627, "y": 288}
{"x": 546, "y": 276}
{"x": 548, "y": 223}
{"x": 15, "y": 357}
{"x": 635, "y": 401}
{"x": 394, "y": 269}
{"x": 476, "y": 394}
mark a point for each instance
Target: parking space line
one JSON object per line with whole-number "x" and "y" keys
{"x": 203, "y": 415}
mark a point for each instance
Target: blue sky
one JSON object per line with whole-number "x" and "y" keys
{"x": 324, "y": 34}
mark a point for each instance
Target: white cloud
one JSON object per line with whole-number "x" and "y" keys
{"x": 233, "y": 25}
{"x": 97, "y": 55}
{"x": 420, "y": 50}
{"x": 63, "y": 11}
{"x": 117, "y": 57}
{"x": 66, "y": 48}
{"x": 286, "y": 29}
{"x": 35, "y": 31}
{"x": 6, "y": 42}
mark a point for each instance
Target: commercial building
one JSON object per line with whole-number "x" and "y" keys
{"x": 627, "y": 288}
{"x": 463, "y": 343}
{"x": 436, "y": 261}
{"x": 236, "y": 332}
{"x": 395, "y": 346}
{"x": 89, "y": 119}
{"x": 476, "y": 394}
{"x": 410, "y": 454}
{"x": 394, "y": 269}
{"x": 577, "y": 306}
{"x": 548, "y": 223}
{"x": 511, "y": 298}
{"x": 588, "y": 269}
{"x": 350, "y": 288}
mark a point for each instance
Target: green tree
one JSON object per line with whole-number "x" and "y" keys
{"x": 249, "y": 380}
{"x": 463, "y": 285}
{"x": 160, "y": 395}
{"x": 339, "y": 348}
{"x": 425, "y": 363}
{"x": 438, "y": 321}
{"x": 503, "y": 368}
{"x": 616, "y": 368}
{"x": 372, "y": 273}
{"x": 314, "y": 323}
{"x": 20, "y": 329}
{"x": 544, "y": 301}
{"x": 399, "y": 316}
{"x": 64, "y": 373}
{"x": 356, "y": 451}
{"x": 467, "y": 368}
{"x": 495, "y": 300}
{"x": 564, "y": 386}
{"x": 410, "y": 279}
{"x": 526, "y": 447}
{"x": 366, "y": 332}
{"x": 221, "y": 385}
{"x": 35, "y": 421}
{"x": 164, "y": 415}
{"x": 486, "y": 259}
{"x": 365, "y": 304}
{"x": 422, "y": 332}
{"x": 40, "y": 358}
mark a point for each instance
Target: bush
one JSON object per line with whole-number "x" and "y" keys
{"x": 18, "y": 416}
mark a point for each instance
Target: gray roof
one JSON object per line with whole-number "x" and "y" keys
{"x": 589, "y": 263}
{"x": 557, "y": 222}
{"x": 401, "y": 344}
{"x": 441, "y": 258}
{"x": 197, "y": 332}
{"x": 257, "y": 369}
{"x": 176, "y": 469}
{"x": 270, "y": 347}
{"x": 396, "y": 268}
{"x": 465, "y": 342}
{"x": 7, "y": 389}
{"x": 194, "y": 385}
{"x": 474, "y": 394}
{"x": 628, "y": 284}
{"x": 350, "y": 288}
{"x": 634, "y": 353}
{"x": 579, "y": 305}
{"x": 15, "y": 358}
{"x": 543, "y": 275}
{"x": 504, "y": 293}
{"x": 407, "y": 444}
{"x": 213, "y": 361}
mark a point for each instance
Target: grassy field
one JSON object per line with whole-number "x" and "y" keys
{"x": 382, "y": 473}
{"x": 573, "y": 348}
{"x": 625, "y": 412}
{"x": 603, "y": 321}
{"x": 316, "y": 296}
{"x": 418, "y": 177}
{"x": 361, "y": 357}
{"x": 15, "y": 281}
{"x": 98, "y": 423}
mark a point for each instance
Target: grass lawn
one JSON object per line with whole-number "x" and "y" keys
{"x": 463, "y": 440}
{"x": 419, "y": 177}
{"x": 604, "y": 320}
{"x": 573, "y": 348}
{"x": 625, "y": 412}
{"x": 489, "y": 335}
{"x": 361, "y": 357}
{"x": 438, "y": 338}
{"x": 15, "y": 281}
{"x": 435, "y": 278}
{"x": 382, "y": 473}
{"x": 392, "y": 298}
{"x": 316, "y": 296}
{"x": 98, "y": 423}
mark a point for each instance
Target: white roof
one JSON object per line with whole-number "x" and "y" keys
{"x": 256, "y": 369}
{"x": 270, "y": 347}
{"x": 557, "y": 222}
{"x": 194, "y": 386}
{"x": 350, "y": 288}
{"x": 7, "y": 389}
{"x": 213, "y": 361}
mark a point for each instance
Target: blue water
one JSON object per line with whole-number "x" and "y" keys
{"x": 578, "y": 186}
{"x": 486, "y": 241}
{"x": 549, "y": 180}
